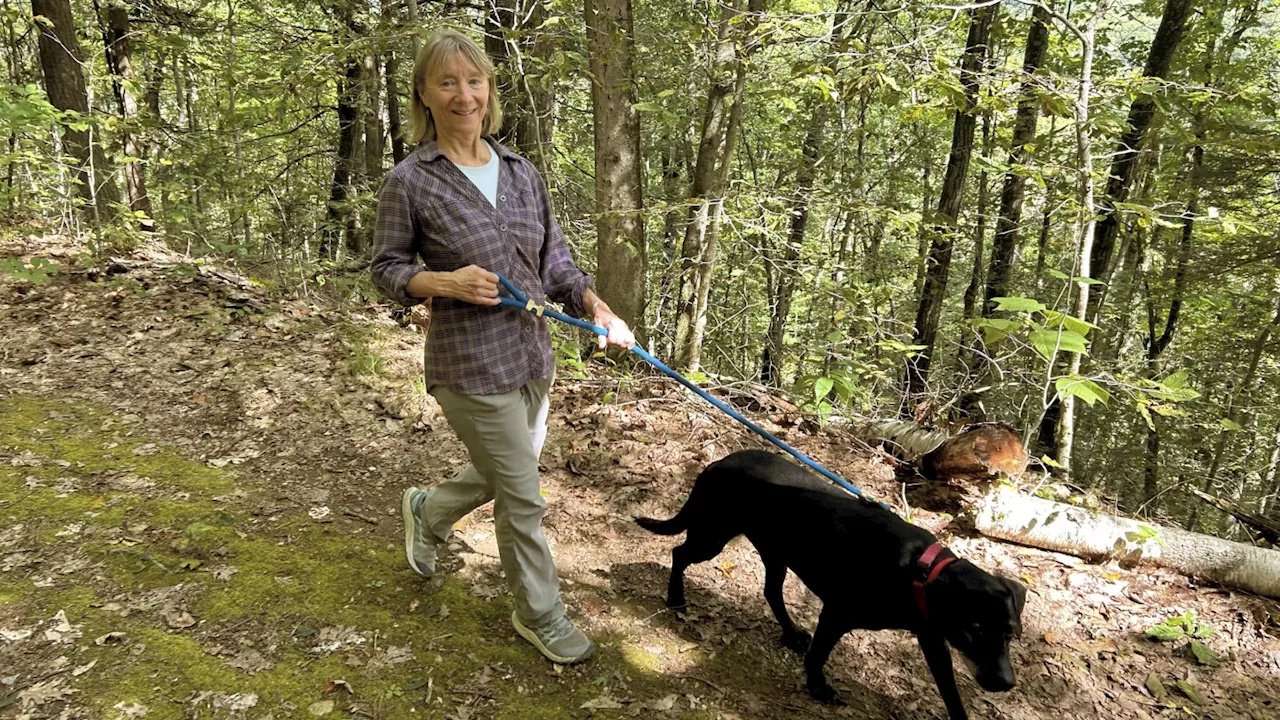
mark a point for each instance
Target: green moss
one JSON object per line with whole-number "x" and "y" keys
{"x": 295, "y": 577}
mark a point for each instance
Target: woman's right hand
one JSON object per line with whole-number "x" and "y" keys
{"x": 475, "y": 285}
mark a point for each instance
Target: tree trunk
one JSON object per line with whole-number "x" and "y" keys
{"x": 1004, "y": 246}
{"x": 1141, "y": 112}
{"x": 514, "y": 39}
{"x": 1086, "y": 224}
{"x": 621, "y": 251}
{"x": 1008, "y": 515}
{"x": 119, "y": 54}
{"x": 980, "y": 453}
{"x": 1233, "y": 410}
{"x": 374, "y": 131}
{"x": 710, "y": 178}
{"x": 64, "y": 83}
{"x": 771, "y": 359}
{"x": 972, "y": 350}
{"x": 391, "y": 75}
{"x": 338, "y": 217}
{"x": 1270, "y": 478}
{"x": 944, "y": 224}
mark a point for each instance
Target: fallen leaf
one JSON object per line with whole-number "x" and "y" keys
{"x": 1190, "y": 691}
{"x": 321, "y": 708}
{"x": 177, "y": 618}
{"x": 665, "y": 704}
{"x": 130, "y": 711}
{"x": 1156, "y": 688}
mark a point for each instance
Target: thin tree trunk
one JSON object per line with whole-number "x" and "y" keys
{"x": 391, "y": 69}
{"x": 1086, "y": 223}
{"x": 338, "y": 217}
{"x": 1168, "y": 36}
{"x": 710, "y": 178}
{"x": 513, "y": 38}
{"x": 374, "y": 131}
{"x": 1270, "y": 478}
{"x": 972, "y": 348}
{"x": 1233, "y": 411}
{"x": 119, "y": 54}
{"x": 771, "y": 358}
{"x": 64, "y": 83}
{"x": 621, "y": 251}
{"x": 943, "y": 225}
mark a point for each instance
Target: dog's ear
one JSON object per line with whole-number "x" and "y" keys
{"x": 1019, "y": 594}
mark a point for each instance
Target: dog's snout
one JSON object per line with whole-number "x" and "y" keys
{"x": 1000, "y": 679}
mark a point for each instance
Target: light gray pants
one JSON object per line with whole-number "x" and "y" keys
{"x": 503, "y": 434}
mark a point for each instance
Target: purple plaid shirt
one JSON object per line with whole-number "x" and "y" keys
{"x": 430, "y": 210}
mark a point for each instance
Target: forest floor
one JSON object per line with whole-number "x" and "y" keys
{"x": 199, "y": 489}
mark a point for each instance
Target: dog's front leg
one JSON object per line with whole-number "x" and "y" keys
{"x": 775, "y": 573}
{"x": 938, "y": 655}
{"x": 832, "y": 625}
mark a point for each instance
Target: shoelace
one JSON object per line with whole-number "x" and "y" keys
{"x": 555, "y": 630}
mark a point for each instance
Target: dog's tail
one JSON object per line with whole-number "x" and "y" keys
{"x": 674, "y": 526}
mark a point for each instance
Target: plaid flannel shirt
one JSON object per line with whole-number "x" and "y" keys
{"x": 429, "y": 210}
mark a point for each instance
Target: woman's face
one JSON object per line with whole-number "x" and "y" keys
{"x": 457, "y": 94}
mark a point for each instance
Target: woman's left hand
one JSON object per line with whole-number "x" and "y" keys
{"x": 619, "y": 334}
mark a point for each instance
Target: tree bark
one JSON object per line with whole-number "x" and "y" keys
{"x": 710, "y": 176}
{"x": 1008, "y": 515}
{"x": 64, "y": 83}
{"x": 1004, "y": 246}
{"x": 1233, "y": 410}
{"x": 1168, "y": 36}
{"x": 374, "y": 130}
{"x": 119, "y": 54}
{"x": 338, "y": 217}
{"x": 621, "y": 250}
{"x": 518, "y": 47}
{"x": 943, "y": 225}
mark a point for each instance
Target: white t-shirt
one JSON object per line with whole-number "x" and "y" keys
{"x": 485, "y": 177}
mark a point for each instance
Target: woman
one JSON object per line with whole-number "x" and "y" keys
{"x": 469, "y": 207}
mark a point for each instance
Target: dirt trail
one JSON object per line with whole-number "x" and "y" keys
{"x": 198, "y": 518}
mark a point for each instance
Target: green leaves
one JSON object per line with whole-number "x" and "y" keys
{"x": 1050, "y": 342}
{"x": 1179, "y": 627}
{"x": 1018, "y": 304}
{"x": 1083, "y": 388}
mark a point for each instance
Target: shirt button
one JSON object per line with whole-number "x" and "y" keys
{"x": 528, "y": 328}
{"x": 502, "y": 198}
{"x": 503, "y": 227}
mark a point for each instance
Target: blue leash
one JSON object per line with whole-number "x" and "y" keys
{"x": 521, "y": 302}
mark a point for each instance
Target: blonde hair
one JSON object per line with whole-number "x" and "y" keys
{"x": 434, "y": 54}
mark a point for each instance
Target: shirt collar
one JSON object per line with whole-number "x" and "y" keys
{"x": 429, "y": 152}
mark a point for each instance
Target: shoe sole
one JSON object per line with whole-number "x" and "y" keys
{"x": 527, "y": 634}
{"x": 410, "y": 521}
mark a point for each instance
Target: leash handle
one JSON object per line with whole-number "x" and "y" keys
{"x": 520, "y": 302}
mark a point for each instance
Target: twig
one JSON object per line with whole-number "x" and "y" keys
{"x": 16, "y": 551}
{"x": 358, "y": 516}
{"x": 144, "y": 556}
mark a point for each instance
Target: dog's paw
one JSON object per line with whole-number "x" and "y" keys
{"x": 825, "y": 694}
{"x": 797, "y": 641}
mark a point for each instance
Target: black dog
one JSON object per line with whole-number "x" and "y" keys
{"x": 871, "y": 569}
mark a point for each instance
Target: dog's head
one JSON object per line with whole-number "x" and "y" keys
{"x": 980, "y": 614}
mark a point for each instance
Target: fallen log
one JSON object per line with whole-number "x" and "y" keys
{"x": 1269, "y": 529}
{"x": 1006, "y": 514}
{"x": 981, "y": 452}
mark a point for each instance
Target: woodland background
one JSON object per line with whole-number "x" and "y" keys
{"x": 1064, "y": 216}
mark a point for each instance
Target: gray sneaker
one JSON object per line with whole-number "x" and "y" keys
{"x": 419, "y": 543}
{"x": 559, "y": 640}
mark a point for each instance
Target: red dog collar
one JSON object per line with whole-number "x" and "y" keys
{"x": 929, "y": 567}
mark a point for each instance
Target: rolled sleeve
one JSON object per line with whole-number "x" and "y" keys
{"x": 562, "y": 280}
{"x": 394, "y": 253}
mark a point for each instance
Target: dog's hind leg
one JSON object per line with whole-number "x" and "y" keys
{"x": 793, "y": 637}
{"x": 832, "y": 625}
{"x": 700, "y": 545}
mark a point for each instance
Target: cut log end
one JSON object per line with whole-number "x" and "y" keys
{"x": 981, "y": 453}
